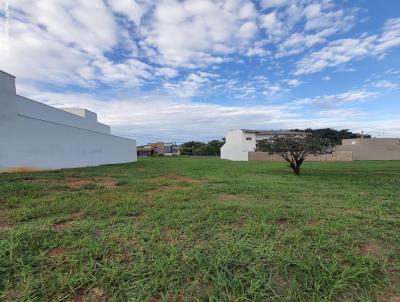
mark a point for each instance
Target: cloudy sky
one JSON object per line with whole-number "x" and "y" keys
{"x": 180, "y": 70}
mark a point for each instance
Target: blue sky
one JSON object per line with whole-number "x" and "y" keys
{"x": 181, "y": 70}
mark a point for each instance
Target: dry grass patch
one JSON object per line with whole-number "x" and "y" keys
{"x": 62, "y": 225}
{"x": 93, "y": 295}
{"x": 241, "y": 223}
{"x": 282, "y": 221}
{"x": 313, "y": 222}
{"x": 241, "y": 198}
{"x": 105, "y": 181}
{"x": 279, "y": 283}
{"x": 172, "y": 235}
{"x": 56, "y": 252}
{"x": 5, "y": 223}
{"x": 388, "y": 298}
{"x": 370, "y": 248}
{"x": 77, "y": 183}
{"x": 22, "y": 170}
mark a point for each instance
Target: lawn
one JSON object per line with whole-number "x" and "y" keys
{"x": 202, "y": 229}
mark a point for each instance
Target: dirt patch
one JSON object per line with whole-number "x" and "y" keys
{"x": 370, "y": 248}
{"x": 363, "y": 193}
{"x": 313, "y": 222}
{"x": 388, "y": 298}
{"x": 5, "y": 224}
{"x": 93, "y": 295}
{"x": 105, "y": 181}
{"x": 56, "y": 252}
{"x": 241, "y": 223}
{"x": 13, "y": 294}
{"x": 21, "y": 169}
{"x": 279, "y": 283}
{"x": 62, "y": 225}
{"x": 141, "y": 169}
{"x": 172, "y": 235}
{"x": 281, "y": 221}
{"x": 77, "y": 183}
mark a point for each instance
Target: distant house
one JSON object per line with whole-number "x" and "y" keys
{"x": 158, "y": 149}
{"x": 241, "y": 145}
{"x": 372, "y": 148}
{"x": 36, "y": 136}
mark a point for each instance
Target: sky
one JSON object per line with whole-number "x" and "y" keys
{"x": 175, "y": 71}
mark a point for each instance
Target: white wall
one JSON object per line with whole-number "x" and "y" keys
{"x": 235, "y": 147}
{"x": 83, "y": 118}
{"x": 36, "y": 136}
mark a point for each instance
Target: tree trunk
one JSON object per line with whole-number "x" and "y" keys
{"x": 296, "y": 170}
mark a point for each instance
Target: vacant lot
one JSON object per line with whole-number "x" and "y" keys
{"x": 187, "y": 229}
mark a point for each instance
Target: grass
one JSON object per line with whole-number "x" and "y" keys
{"x": 202, "y": 229}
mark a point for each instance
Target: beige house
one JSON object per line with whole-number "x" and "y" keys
{"x": 372, "y": 148}
{"x": 241, "y": 145}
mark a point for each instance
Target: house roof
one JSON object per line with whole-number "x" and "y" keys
{"x": 271, "y": 132}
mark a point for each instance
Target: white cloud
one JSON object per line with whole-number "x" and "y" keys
{"x": 386, "y": 84}
{"x": 274, "y": 3}
{"x": 167, "y": 72}
{"x": 64, "y": 42}
{"x": 335, "y": 53}
{"x": 248, "y": 11}
{"x": 336, "y": 99}
{"x": 133, "y": 9}
{"x": 294, "y": 82}
{"x": 192, "y": 34}
{"x": 390, "y": 37}
{"x": 341, "y": 51}
{"x": 320, "y": 20}
{"x": 248, "y": 30}
{"x": 190, "y": 86}
{"x": 326, "y": 78}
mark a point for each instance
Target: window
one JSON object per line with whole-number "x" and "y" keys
{"x": 248, "y": 138}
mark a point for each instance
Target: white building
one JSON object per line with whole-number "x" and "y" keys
{"x": 240, "y": 143}
{"x": 36, "y": 136}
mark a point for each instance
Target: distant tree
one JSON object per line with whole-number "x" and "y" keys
{"x": 214, "y": 147}
{"x": 198, "y": 148}
{"x": 191, "y": 148}
{"x": 295, "y": 149}
{"x": 335, "y": 136}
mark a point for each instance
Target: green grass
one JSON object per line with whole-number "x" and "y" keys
{"x": 189, "y": 229}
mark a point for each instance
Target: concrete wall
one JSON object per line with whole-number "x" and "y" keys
{"x": 235, "y": 147}
{"x": 83, "y": 118}
{"x": 37, "y": 136}
{"x": 335, "y": 156}
{"x": 371, "y": 141}
{"x": 371, "y": 151}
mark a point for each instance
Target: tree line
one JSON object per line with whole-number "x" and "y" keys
{"x": 195, "y": 148}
